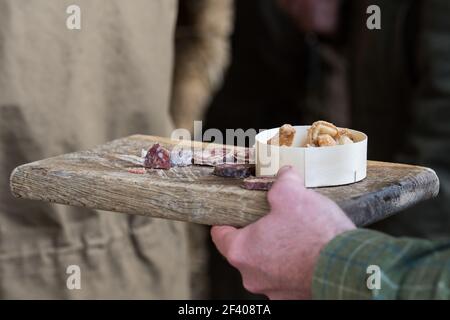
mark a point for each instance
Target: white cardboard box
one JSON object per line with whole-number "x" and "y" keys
{"x": 320, "y": 167}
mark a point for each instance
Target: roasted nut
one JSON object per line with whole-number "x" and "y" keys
{"x": 285, "y": 136}
{"x": 325, "y": 140}
{"x": 319, "y": 128}
{"x": 344, "y": 140}
{"x": 344, "y": 137}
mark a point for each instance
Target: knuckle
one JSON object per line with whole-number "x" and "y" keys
{"x": 235, "y": 256}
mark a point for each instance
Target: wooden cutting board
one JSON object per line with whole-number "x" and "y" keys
{"x": 100, "y": 179}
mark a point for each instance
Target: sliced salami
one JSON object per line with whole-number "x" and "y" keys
{"x": 234, "y": 170}
{"x": 245, "y": 155}
{"x": 157, "y": 157}
{"x": 262, "y": 183}
{"x": 181, "y": 157}
{"x": 213, "y": 157}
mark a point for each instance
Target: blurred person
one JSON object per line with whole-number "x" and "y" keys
{"x": 64, "y": 90}
{"x": 391, "y": 83}
{"x": 311, "y": 249}
{"x": 398, "y": 86}
{"x": 270, "y": 64}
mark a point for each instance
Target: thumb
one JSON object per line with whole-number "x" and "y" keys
{"x": 223, "y": 236}
{"x": 287, "y": 191}
{"x": 291, "y": 174}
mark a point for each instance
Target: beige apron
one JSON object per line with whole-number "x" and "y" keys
{"x": 64, "y": 90}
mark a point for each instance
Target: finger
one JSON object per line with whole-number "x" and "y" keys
{"x": 289, "y": 172}
{"x": 222, "y": 236}
{"x": 289, "y": 178}
{"x": 287, "y": 190}
{"x": 283, "y": 170}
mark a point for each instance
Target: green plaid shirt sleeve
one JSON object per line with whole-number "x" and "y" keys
{"x": 409, "y": 268}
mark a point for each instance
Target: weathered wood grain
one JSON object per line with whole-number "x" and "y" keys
{"x": 99, "y": 179}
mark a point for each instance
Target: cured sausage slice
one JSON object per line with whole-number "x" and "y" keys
{"x": 181, "y": 157}
{"x": 157, "y": 157}
{"x": 262, "y": 183}
{"x": 246, "y": 155}
{"x": 234, "y": 170}
{"x": 213, "y": 157}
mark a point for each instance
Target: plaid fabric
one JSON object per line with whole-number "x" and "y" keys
{"x": 410, "y": 269}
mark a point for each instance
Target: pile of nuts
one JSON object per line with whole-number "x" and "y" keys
{"x": 325, "y": 134}
{"x": 320, "y": 134}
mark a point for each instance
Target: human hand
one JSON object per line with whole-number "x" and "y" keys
{"x": 277, "y": 254}
{"x": 318, "y": 16}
